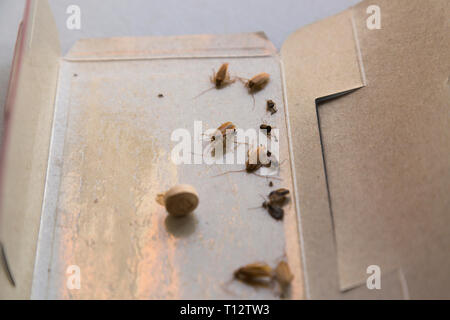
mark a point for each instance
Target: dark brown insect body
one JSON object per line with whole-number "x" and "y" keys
{"x": 267, "y": 128}
{"x": 277, "y": 199}
{"x": 271, "y": 107}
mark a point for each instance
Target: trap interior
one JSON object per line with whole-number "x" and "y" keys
{"x": 111, "y": 155}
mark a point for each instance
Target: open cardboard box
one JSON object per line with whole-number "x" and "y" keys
{"x": 364, "y": 124}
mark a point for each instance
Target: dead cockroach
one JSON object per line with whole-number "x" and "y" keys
{"x": 258, "y": 82}
{"x": 221, "y": 134}
{"x": 220, "y": 79}
{"x": 271, "y": 107}
{"x": 255, "y": 274}
{"x": 257, "y": 159}
{"x": 283, "y": 276}
{"x": 223, "y": 130}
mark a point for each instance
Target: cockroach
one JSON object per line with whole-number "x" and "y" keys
{"x": 221, "y": 134}
{"x": 255, "y": 84}
{"x": 271, "y": 106}
{"x": 254, "y": 162}
{"x": 283, "y": 276}
{"x": 270, "y": 184}
{"x": 258, "y": 82}
{"x": 251, "y": 167}
{"x": 274, "y": 206}
{"x": 223, "y": 130}
{"x": 255, "y": 274}
{"x": 160, "y": 95}
{"x": 220, "y": 79}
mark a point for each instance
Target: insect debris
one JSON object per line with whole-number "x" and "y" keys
{"x": 271, "y": 107}
{"x": 256, "y": 83}
{"x": 220, "y": 79}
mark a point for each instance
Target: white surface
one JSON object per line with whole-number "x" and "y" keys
{"x": 100, "y": 18}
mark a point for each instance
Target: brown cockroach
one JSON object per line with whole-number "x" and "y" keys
{"x": 252, "y": 166}
{"x": 256, "y": 274}
{"x": 283, "y": 276}
{"x": 220, "y": 79}
{"x": 221, "y": 134}
{"x": 254, "y": 163}
{"x": 271, "y": 107}
{"x": 258, "y": 82}
{"x": 223, "y": 130}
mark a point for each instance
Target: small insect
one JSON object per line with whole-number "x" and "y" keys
{"x": 255, "y": 274}
{"x": 160, "y": 95}
{"x": 270, "y": 184}
{"x": 283, "y": 276}
{"x": 274, "y": 206}
{"x": 220, "y": 79}
{"x": 271, "y": 107}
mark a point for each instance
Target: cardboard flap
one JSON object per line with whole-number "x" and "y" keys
{"x": 319, "y": 60}
{"x": 372, "y": 167}
{"x": 26, "y": 142}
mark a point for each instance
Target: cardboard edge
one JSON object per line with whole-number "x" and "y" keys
{"x": 172, "y": 47}
{"x": 35, "y": 66}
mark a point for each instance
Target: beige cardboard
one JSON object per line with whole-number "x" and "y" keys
{"x": 26, "y": 141}
{"x": 386, "y": 147}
